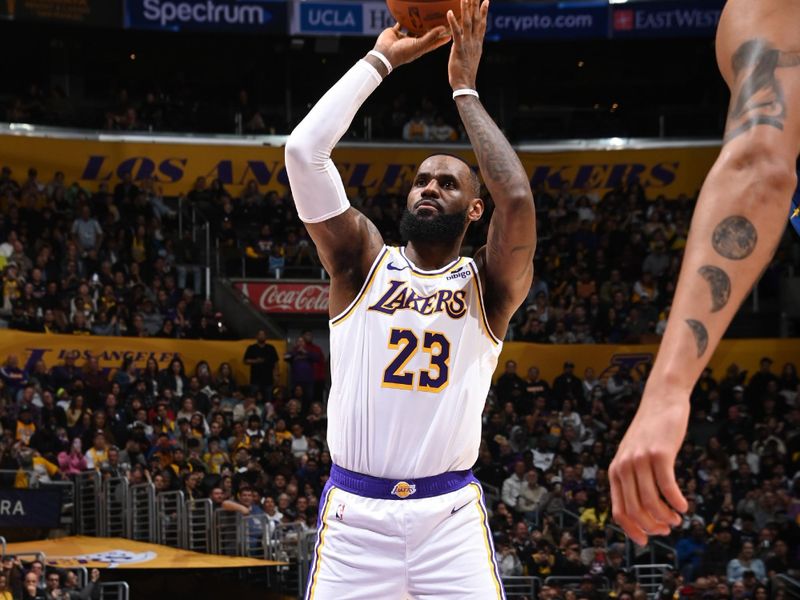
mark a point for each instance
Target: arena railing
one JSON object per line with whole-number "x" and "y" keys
{"x": 114, "y": 590}
{"x": 650, "y": 577}
{"x": 142, "y": 512}
{"x": 225, "y": 539}
{"x": 115, "y": 507}
{"x": 171, "y": 519}
{"x": 88, "y": 489}
{"x": 198, "y": 525}
{"x": 789, "y": 584}
{"x": 563, "y": 580}
{"x": 519, "y": 587}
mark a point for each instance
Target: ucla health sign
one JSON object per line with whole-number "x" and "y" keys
{"x": 340, "y": 18}
{"x": 207, "y": 15}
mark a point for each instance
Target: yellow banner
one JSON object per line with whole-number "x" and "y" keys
{"x": 32, "y": 347}
{"x": 175, "y": 165}
{"x": 119, "y": 553}
{"x": 607, "y": 359}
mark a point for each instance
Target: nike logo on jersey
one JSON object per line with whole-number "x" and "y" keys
{"x": 455, "y": 510}
{"x": 391, "y": 267}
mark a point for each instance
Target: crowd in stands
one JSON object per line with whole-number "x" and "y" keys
{"x": 257, "y": 447}
{"x": 112, "y": 263}
{"x": 109, "y": 262}
{"x": 31, "y": 580}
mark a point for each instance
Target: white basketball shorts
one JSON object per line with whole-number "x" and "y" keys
{"x": 381, "y": 539}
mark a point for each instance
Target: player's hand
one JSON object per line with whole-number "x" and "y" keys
{"x": 644, "y": 468}
{"x": 467, "y": 32}
{"x": 400, "y": 48}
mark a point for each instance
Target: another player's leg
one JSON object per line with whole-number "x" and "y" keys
{"x": 740, "y": 217}
{"x": 451, "y": 553}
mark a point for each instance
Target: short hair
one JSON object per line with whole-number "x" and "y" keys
{"x": 474, "y": 179}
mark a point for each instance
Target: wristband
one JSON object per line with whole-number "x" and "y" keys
{"x": 383, "y": 59}
{"x": 465, "y": 92}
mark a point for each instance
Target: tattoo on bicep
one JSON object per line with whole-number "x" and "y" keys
{"x": 700, "y": 335}
{"x": 757, "y": 96}
{"x": 720, "y": 285}
{"x": 488, "y": 142}
{"x": 734, "y": 238}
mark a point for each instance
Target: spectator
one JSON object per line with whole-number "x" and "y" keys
{"x": 512, "y": 487}
{"x": 302, "y": 359}
{"x": 416, "y": 130}
{"x": 746, "y": 562}
{"x": 74, "y": 592}
{"x": 263, "y": 360}
{"x": 530, "y": 496}
{"x": 87, "y": 231}
{"x": 567, "y": 385}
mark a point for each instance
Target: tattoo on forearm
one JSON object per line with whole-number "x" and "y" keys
{"x": 497, "y": 159}
{"x": 734, "y": 238}
{"x": 757, "y": 96}
{"x": 700, "y": 335}
{"x": 720, "y": 285}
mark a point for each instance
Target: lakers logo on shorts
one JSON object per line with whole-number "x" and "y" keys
{"x": 403, "y": 489}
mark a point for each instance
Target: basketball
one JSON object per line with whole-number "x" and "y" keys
{"x": 420, "y": 16}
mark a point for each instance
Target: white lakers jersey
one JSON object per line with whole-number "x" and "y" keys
{"x": 411, "y": 361}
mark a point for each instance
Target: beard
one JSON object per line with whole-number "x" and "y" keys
{"x": 438, "y": 229}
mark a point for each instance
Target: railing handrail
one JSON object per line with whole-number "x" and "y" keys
{"x": 791, "y": 582}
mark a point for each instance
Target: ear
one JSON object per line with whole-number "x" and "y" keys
{"x": 475, "y": 210}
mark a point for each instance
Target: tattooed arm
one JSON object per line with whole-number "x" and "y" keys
{"x": 507, "y": 259}
{"x": 739, "y": 220}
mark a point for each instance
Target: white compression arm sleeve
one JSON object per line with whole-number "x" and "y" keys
{"x": 317, "y": 187}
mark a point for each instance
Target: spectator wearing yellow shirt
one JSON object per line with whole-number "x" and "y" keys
{"x": 598, "y": 515}
{"x": 98, "y": 453}
{"x": 215, "y": 457}
{"x": 281, "y": 433}
{"x": 25, "y": 426}
{"x": 33, "y": 469}
{"x": 5, "y": 591}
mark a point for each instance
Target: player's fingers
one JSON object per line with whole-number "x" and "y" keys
{"x": 466, "y": 16}
{"x": 633, "y": 505}
{"x": 664, "y": 472}
{"x": 651, "y": 501}
{"x": 438, "y": 36}
{"x": 620, "y": 514}
{"x": 455, "y": 28}
{"x": 484, "y": 12}
{"x": 475, "y": 13}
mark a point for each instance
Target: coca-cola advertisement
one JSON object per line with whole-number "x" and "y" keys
{"x": 286, "y": 298}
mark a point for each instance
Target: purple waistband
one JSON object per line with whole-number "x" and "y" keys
{"x": 399, "y": 489}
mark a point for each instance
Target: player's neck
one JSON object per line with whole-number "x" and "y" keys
{"x": 430, "y": 256}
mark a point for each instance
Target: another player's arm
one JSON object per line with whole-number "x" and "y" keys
{"x": 508, "y": 254}
{"x": 737, "y": 225}
{"x": 346, "y": 240}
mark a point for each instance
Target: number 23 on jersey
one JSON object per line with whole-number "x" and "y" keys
{"x": 432, "y": 379}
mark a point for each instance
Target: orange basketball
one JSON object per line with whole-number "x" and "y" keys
{"x": 420, "y": 16}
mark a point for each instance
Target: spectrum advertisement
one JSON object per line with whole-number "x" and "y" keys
{"x": 207, "y": 15}
{"x": 671, "y": 171}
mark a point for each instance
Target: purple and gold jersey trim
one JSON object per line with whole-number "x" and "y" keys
{"x": 364, "y": 288}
